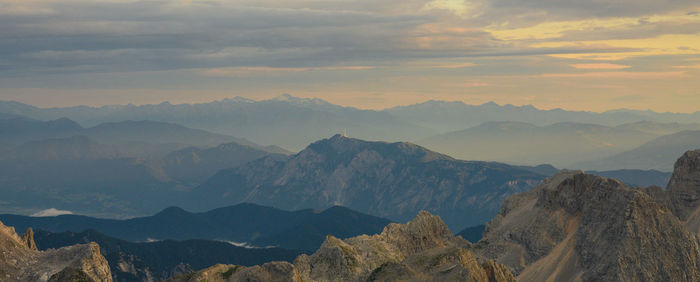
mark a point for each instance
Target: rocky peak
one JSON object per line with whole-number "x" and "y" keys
{"x": 684, "y": 186}
{"x": 425, "y": 231}
{"x": 420, "y": 250}
{"x": 28, "y": 239}
{"x": 20, "y": 261}
{"x": 576, "y": 226}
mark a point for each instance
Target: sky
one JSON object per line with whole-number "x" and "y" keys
{"x": 573, "y": 54}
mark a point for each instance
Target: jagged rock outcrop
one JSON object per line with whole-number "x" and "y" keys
{"x": 581, "y": 227}
{"x": 28, "y": 239}
{"x": 423, "y": 249}
{"x": 684, "y": 190}
{"x": 19, "y": 262}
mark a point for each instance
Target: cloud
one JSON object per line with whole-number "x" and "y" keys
{"x": 602, "y": 66}
{"x": 241, "y": 71}
{"x": 688, "y": 67}
{"x": 614, "y": 75}
{"x": 51, "y": 212}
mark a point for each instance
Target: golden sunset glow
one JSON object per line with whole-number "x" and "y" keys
{"x": 360, "y": 53}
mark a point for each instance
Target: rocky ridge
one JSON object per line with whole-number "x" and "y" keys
{"x": 684, "y": 190}
{"x": 422, "y": 249}
{"x": 582, "y": 227}
{"x": 20, "y": 261}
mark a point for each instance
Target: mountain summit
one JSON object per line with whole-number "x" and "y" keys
{"x": 391, "y": 180}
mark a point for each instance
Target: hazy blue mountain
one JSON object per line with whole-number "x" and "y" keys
{"x": 195, "y": 165}
{"x": 560, "y": 144}
{"x": 119, "y": 174}
{"x": 71, "y": 148}
{"x": 244, "y": 223}
{"x": 133, "y": 138}
{"x": 658, "y": 154}
{"x": 145, "y": 131}
{"x": 294, "y": 122}
{"x": 15, "y": 131}
{"x": 452, "y": 116}
{"x": 659, "y": 128}
{"x": 160, "y": 260}
{"x": 391, "y": 180}
{"x": 10, "y": 116}
{"x": 286, "y": 121}
{"x": 105, "y": 187}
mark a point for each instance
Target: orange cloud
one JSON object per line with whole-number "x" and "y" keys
{"x": 601, "y": 66}
{"x": 621, "y": 74}
{"x": 688, "y": 67}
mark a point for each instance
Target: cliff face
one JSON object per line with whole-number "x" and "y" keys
{"x": 20, "y": 261}
{"x": 422, "y": 249}
{"x": 577, "y": 226}
{"x": 684, "y": 190}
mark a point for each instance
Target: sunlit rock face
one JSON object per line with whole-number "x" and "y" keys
{"x": 20, "y": 261}
{"x": 583, "y": 227}
{"x": 423, "y": 249}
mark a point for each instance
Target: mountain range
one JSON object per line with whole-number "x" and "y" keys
{"x": 526, "y": 143}
{"x": 391, "y": 180}
{"x": 572, "y": 227}
{"x": 297, "y": 122}
{"x": 246, "y": 224}
{"x": 132, "y": 138}
{"x": 112, "y": 169}
{"x": 655, "y": 154}
{"x": 158, "y": 261}
{"x": 423, "y": 249}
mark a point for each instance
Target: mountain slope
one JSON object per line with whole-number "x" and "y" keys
{"x": 244, "y": 223}
{"x": 580, "y": 227}
{"x": 392, "y": 180}
{"x": 658, "y": 154}
{"x": 70, "y": 148}
{"x": 160, "y": 260}
{"x": 525, "y": 143}
{"x": 196, "y": 165}
{"x": 421, "y": 250}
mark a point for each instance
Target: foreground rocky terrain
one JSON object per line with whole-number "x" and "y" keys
{"x": 572, "y": 227}
{"x": 422, "y": 249}
{"x": 583, "y": 227}
{"x": 21, "y": 261}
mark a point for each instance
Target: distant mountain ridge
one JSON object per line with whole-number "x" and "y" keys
{"x": 112, "y": 168}
{"x": 526, "y": 143}
{"x": 392, "y": 180}
{"x": 291, "y": 122}
{"x": 656, "y": 154}
{"x": 157, "y": 261}
{"x": 144, "y": 135}
{"x": 300, "y": 121}
{"x": 244, "y": 223}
